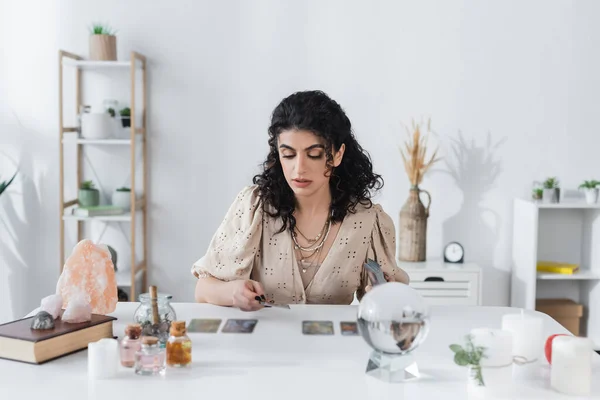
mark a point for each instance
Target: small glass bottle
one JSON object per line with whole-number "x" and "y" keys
{"x": 179, "y": 346}
{"x": 150, "y": 359}
{"x": 130, "y": 344}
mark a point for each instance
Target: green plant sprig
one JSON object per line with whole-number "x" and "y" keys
{"x": 470, "y": 355}
{"x": 551, "y": 183}
{"x": 5, "y": 184}
{"x": 590, "y": 184}
{"x": 87, "y": 185}
{"x": 102, "y": 29}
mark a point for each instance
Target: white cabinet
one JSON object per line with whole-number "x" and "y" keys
{"x": 566, "y": 232}
{"x": 444, "y": 283}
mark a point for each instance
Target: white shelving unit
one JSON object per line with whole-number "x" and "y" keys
{"x": 566, "y": 232}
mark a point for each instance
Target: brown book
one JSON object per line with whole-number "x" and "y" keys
{"x": 21, "y": 343}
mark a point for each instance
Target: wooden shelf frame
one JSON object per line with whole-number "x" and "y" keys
{"x": 136, "y": 65}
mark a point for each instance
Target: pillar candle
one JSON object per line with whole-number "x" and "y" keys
{"x": 571, "y": 370}
{"x": 103, "y": 358}
{"x": 528, "y": 341}
{"x": 496, "y": 366}
{"x": 498, "y": 344}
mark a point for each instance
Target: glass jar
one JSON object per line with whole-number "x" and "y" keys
{"x": 179, "y": 346}
{"x": 145, "y": 317}
{"x": 130, "y": 344}
{"x": 150, "y": 359}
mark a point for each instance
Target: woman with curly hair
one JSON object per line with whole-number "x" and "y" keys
{"x": 303, "y": 231}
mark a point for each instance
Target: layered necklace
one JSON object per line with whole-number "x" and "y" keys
{"x": 315, "y": 245}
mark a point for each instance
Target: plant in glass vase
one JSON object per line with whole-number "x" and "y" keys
{"x": 470, "y": 355}
{"x": 414, "y": 214}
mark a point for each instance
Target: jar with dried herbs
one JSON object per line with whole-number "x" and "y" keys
{"x": 179, "y": 346}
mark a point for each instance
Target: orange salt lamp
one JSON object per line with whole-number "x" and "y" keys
{"x": 89, "y": 271}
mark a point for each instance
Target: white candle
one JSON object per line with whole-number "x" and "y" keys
{"x": 103, "y": 358}
{"x": 498, "y": 346}
{"x": 528, "y": 341}
{"x": 571, "y": 370}
{"x": 496, "y": 366}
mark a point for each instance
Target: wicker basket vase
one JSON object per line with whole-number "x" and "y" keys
{"x": 103, "y": 47}
{"x": 413, "y": 227}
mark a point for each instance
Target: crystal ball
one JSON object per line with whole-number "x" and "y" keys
{"x": 393, "y": 318}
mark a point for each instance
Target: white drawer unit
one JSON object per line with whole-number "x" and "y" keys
{"x": 444, "y": 283}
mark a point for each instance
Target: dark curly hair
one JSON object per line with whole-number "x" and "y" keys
{"x": 350, "y": 183}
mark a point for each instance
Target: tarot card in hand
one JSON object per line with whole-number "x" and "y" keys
{"x": 204, "y": 325}
{"x": 375, "y": 273}
{"x": 239, "y": 326}
{"x": 349, "y": 328}
{"x": 317, "y": 327}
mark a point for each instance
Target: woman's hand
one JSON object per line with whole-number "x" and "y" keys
{"x": 247, "y": 295}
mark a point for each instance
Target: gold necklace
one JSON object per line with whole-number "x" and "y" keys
{"x": 310, "y": 241}
{"x": 307, "y": 249}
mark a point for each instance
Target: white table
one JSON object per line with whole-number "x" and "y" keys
{"x": 278, "y": 362}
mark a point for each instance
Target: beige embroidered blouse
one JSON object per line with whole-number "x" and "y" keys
{"x": 247, "y": 246}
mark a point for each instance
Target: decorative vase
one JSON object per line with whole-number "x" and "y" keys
{"x": 103, "y": 48}
{"x": 88, "y": 198}
{"x": 475, "y": 376}
{"x": 413, "y": 227}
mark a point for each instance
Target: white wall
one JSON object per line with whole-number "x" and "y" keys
{"x": 518, "y": 79}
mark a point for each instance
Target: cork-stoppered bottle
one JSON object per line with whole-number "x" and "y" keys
{"x": 179, "y": 346}
{"x": 130, "y": 344}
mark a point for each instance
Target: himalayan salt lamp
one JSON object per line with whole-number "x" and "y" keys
{"x": 89, "y": 271}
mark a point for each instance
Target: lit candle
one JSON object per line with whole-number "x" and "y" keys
{"x": 528, "y": 341}
{"x": 103, "y": 358}
{"x": 571, "y": 370}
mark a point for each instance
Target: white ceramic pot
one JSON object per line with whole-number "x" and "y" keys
{"x": 591, "y": 195}
{"x": 550, "y": 196}
{"x": 97, "y": 125}
{"x": 122, "y": 199}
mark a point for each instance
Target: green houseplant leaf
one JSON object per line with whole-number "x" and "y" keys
{"x": 5, "y": 184}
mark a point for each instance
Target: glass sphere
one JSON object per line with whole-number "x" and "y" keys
{"x": 393, "y": 318}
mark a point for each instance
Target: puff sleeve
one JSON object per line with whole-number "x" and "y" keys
{"x": 382, "y": 249}
{"x": 232, "y": 249}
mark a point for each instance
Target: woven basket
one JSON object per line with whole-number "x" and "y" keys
{"x": 412, "y": 240}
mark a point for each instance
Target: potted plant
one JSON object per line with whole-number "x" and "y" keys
{"x": 551, "y": 192}
{"x": 121, "y": 197}
{"x": 590, "y": 188}
{"x": 103, "y": 43}
{"x": 537, "y": 194}
{"x": 125, "y": 117}
{"x": 88, "y": 196}
{"x": 97, "y": 124}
